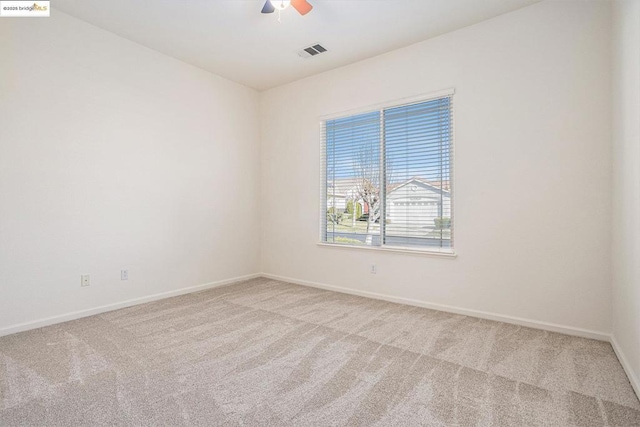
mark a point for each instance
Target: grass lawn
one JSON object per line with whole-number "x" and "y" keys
{"x": 360, "y": 227}
{"x": 346, "y": 226}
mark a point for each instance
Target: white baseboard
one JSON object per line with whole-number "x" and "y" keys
{"x": 400, "y": 300}
{"x": 569, "y": 330}
{"x": 633, "y": 378}
{"x": 536, "y": 324}
{"x": 115, "y": 306}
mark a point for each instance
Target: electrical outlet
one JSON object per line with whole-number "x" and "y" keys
{"x": 373, "y": 270}
{"x": 84, "y": 280}
{"x": 124, "y": 274}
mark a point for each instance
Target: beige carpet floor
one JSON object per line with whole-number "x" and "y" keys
{"x": 269, "y": 353}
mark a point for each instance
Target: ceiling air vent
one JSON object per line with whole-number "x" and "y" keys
{"x": 310, "y": 51}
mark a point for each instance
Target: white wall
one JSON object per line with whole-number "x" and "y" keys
{"x": 533, "y": 172}
{"x": 114, "y": 156}
{"x": 626, "y": 179}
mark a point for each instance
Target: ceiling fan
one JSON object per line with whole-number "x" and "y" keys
{"x": 302, "y": 6}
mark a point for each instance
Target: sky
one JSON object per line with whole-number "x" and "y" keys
{"x": 417, "y": 143}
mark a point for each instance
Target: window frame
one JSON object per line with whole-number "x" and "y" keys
{"x": 440, "y": 252}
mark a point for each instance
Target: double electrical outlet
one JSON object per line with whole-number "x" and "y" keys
{"x": 85, "y": 279}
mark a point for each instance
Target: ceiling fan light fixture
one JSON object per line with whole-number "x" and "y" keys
{"x": 280, "y": 4}
{"x": 302, "y": 6}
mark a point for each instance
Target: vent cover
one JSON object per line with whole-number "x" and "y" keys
{"x": 312, "y": 50}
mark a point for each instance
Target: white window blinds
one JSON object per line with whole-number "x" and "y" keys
{"x": 387, "y": 177}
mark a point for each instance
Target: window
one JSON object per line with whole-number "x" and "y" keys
{"x": 387, "y": 177}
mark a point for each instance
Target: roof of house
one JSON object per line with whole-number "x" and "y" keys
{"x": 436, "y": 185}
{"x": 347, "y": 186}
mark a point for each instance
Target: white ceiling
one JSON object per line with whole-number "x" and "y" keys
{"x": 233, "y": 39}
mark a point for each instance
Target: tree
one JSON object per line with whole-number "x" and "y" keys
{"x": 356, "y": 212}
{"x": 334, "y": 216}
{"x": 366, "y": 166}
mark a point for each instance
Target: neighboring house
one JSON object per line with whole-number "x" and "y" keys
{"x": 412, "y": 204}
{"x": 415, "y": 204}
{"x": 337, "y": 201}
{"x": 339, "y": 192}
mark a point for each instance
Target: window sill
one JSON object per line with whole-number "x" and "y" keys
{"x": 426, "y": 252}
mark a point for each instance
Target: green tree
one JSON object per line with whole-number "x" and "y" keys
{"x": 350, "y": 204}
{"x": 334, "y": 216}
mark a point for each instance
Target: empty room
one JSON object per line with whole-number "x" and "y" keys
{"x": 320, "y": 213}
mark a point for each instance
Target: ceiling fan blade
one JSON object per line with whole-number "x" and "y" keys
{"x": 268, "y": 7}
{"x": 302, "y": 6}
